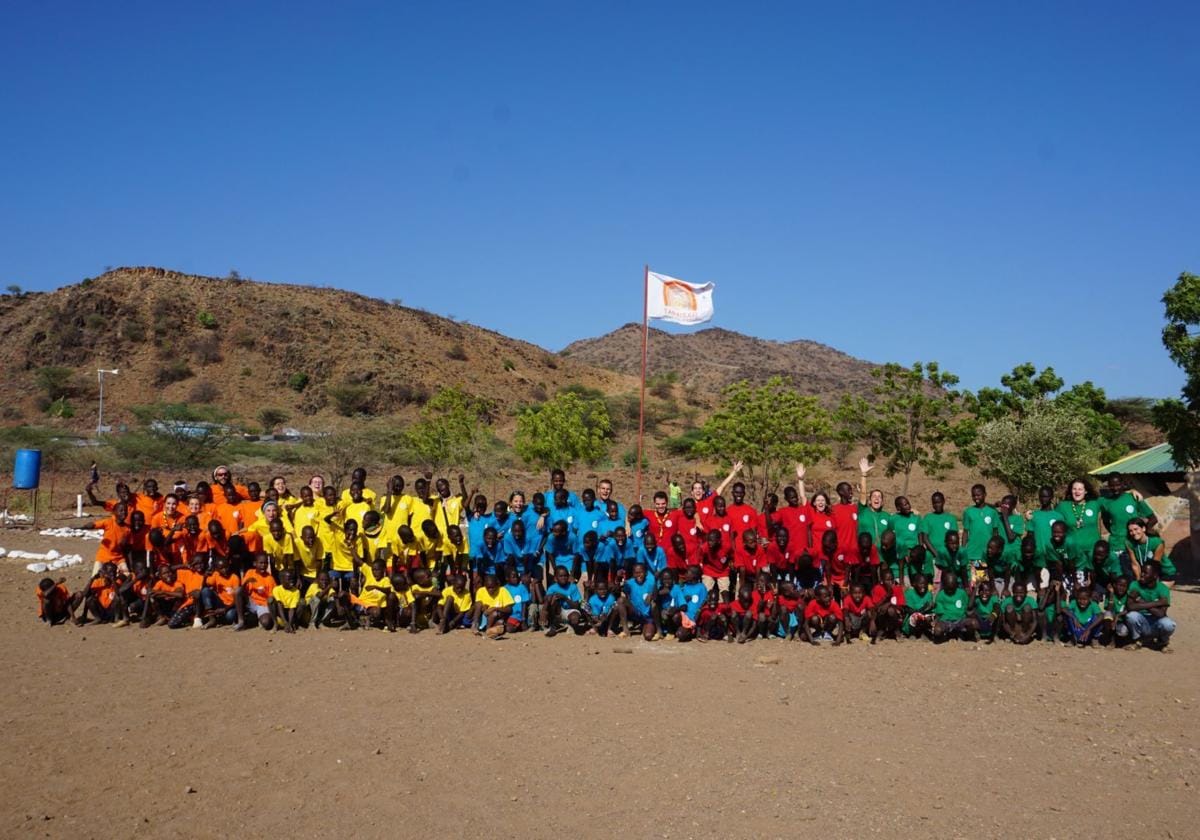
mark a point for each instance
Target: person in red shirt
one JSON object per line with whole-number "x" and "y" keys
{"x": 789, "y": 611}
{"x": 858, "y": 614}
{"x": 718, "y": 520}
{"x": 749, "y": 558}
{"x": 763, "y": 605}
{"x": 887, "y": 601}
{"x": 833, "y": 563}
{"x": 795, "y": 516}
{"x": 705, "y": 503}
{"x": 741, "y": 616}
{"x": 845, "y": 521}
{"x": 662, "y": 521}
{"x": 823, "y": 617}
{"x": 865, "y": 565}
{"x": 678, "y": 556}
{"x": 743, "y": 517}
{"x": 779, "y": 557}
{"x": 713, "y": 560}
{"x": 821, "y": 518}
{"x": 688, "y": 525}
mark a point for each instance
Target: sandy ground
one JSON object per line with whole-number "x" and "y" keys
{"x": 112, "y": 732}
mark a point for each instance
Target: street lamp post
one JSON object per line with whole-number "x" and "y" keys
{"x": 100, "y": 417}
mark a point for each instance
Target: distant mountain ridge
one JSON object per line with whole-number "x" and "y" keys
{"x": 709, "y": 359}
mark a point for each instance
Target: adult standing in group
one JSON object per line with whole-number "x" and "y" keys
{"x": 1081, "y": 510}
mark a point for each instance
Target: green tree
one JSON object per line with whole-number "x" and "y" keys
{"x": 1025, "y": 389}
{"x": 451, "y": 429}
{"x": 350, "y": 399}
{"x": 562, "y": 431}
{"x": 1049, "y": 443}
{"x": 769, "y": 428}
{"x": 271, "y": 418}
{"x": 912, "y": 420}
{"x": 1179, "y": 419}
{"x": 56, "y": 382}
{"x": 176, "y": 434}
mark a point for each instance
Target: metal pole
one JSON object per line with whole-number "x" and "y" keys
{"x": 642, "y": 399}
{"x": 100, "y": 416}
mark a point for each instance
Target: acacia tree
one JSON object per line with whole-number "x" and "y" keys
{"x": 912, "y": 420}
{"x": 451, "y": 429}
{"x": 1026, "y": 389}
{"x": 1179, "y": 419}
{"x": 562, "y": 431}
{"x": 1048, "y": 444}
{"x": 769, "y": 428}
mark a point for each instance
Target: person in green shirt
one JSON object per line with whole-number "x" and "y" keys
{"x": 950, "y": 558}
{"x": 1149, "y": 600}
{"x": 1049, "y": 617}
{"x": 1019, "y": 614}
{"x": 994, "y": 567}
{"x": 1081, "y": 510}
{"x": 1083, "y": 616}
{"x": 918, "y": 603}
{"x": 1062, "y": 556}
{"x": 919, "y": 562}
{"x": 935, "y": 525}
{"x": 951, "y": 611}
{"x": 1014, "y": 532}
{"x": 872, "y": 518}
{"x": 1042, "y": 519}
{"x": 985, "y": 609}
{"x": 980, "y": 522}
{"x": 1116, "y": 608}
{"x": 1031, "y": 564}
{"x": 1119, "y": 507}
{"x": 1141, "y": 548}
{"x": 889, "y": 557}
{"x": 906, "y": 525}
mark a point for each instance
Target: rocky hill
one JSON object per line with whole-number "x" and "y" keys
{"x": 707, "y": 360}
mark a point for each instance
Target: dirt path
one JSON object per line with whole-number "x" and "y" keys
{"x": 105, "y": 731}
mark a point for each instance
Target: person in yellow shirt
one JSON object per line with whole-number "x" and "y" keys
{"x": 376, "y": 596}
{"x": 395, "y": 506}
{"x": 379, "y": 545}
{"x": 304, "y": 511}
{"x": 270, "y": 512}
{"x": 285, "y": 603}
{"x": 310, "y": 555}
{"x": 455, "y": 559}
{"x": 279, "y": 546}
{"x": 424, "y": 596}
{"x": 452, "y": 507}
{"x": 358, "y": 505}
{"x": 429, "y": 543}
{"x": 493, "y": 606}
{"x": 359, "y": 476}
{"x": 423, "y": 507}
{"x": 456, "y": 607}
{"x": 346, "y": 551}
{"x": 324, "y": 604}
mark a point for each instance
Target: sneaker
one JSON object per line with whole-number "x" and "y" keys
{"x": 197, "y": 623}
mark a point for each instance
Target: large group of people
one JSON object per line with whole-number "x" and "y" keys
{"x": 1085, "y": 569}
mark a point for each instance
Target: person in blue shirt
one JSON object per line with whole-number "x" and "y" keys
{"x": 592, "y": 555}
{"x": 604, "y": 495}
{"x": 477, "y": 520}
{"x": 489, "y": 560}
{"x": 563, "y": 511}
{"x": 638, "y": 523}
{"x": 687, "y": 599}
{"x": 558, "y": 481}
{"x": 502, "y": 519}
{"x": 524, "y": 611}
{"x": 611, "y": 522}
{"x": 562, "y": 604}
{"x": 589, "y": 514}
{"x": 651, "y": 556}
{"x": 521, "y": 549}
{"x": 560, "y": 551}
{"x": 622, "y": 554}
{"x": 601, "y": 610}
{"x": 636, "y": 605}
{"x": 525, "y": 513}
{"x": 666, "y": 615}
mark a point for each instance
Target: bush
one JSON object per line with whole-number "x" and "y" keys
{"x": 509, "y": 364}
{"x": 564, "y": 430}
{"x": 629, "y": 459}
{"x": 684, "y": 445}
{"x": 134, "y": 330}
{"x": 55, "y": 381}
{"x": 60, "y": 408}
{"x": 457, "y": 353}
{"x": 207, "y": 320}
{"x": 95, "y": 321}
{"x": 203, "y": 393}
{"x": 271, "y": 418}
{"x": 245, "y": 339}
{"x": 349, "y": 399}
{"x": 207, "y": 349}
{"x": 176, "y": 371}
{"x": 662, "y": 385}
{"x": 298, "y": 382}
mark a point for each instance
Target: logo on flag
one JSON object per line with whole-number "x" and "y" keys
{"x": 677, "y": 301}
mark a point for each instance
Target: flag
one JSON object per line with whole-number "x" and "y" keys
{"x": 679, "y": 302}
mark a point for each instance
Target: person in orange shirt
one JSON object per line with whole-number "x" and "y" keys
{"x": 134, "y": 592}
{"x": 139, "y": 538}
{"x": 223, "y": 488}
{"x": 253, "y": 599}
{"x": 187, "y": 545}
{"x": 213, "y": 541}
{"x": 192, "y": 578}
{"x": 170, "y": 518}
{"x": 56, "y": 604}
{"x": 114, "y": 543}
{"x": 195, "y": 507}
{"x": 149, "y": 501}
{"x": 124, "y": 494}
{"x": 99, "y": 596}
{"x": 166, "y": 595}
{"x": 219, "y": 595}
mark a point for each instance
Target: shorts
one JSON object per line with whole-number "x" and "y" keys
{"x": 566, "y": 615}
{"x": 341, "y": 577}
{"x": 721, "y": 583}
{"x": 855, "y": 620}
{"x": 513, "y": 624}
{"x": 985, "y": 625}
{"x": 259, "y": 610}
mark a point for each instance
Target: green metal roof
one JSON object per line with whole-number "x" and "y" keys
{"x": 1156, "y": 460}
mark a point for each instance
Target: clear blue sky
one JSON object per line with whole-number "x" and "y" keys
{"x": 981, "y": 184}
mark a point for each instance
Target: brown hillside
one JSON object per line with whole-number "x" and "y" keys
{"x": 708, "y": 360}
{"x": 148, "y": 323}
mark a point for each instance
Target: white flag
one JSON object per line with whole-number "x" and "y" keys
{"x": 679, "y": 302}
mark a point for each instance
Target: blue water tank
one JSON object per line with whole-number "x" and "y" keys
{"x": 27, "y": 469}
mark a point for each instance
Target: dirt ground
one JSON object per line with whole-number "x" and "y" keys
{"x": 111, "y": 732}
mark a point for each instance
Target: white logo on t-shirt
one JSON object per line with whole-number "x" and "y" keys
{"x": 987, "y": 520}
{"x": 802, "y": 518}
{"x": 958, "y": 603}
{"x": 912, "y": 526}
{"x": 883, "y": 522}
{"x": 745, "y": 517}
{"x": 1129, "y": 508}
{"x": 947, "y": 524}
{"x": 855, "y": 515}
{"x": 828, "y": 523}
{"x": 1090, "y": 512}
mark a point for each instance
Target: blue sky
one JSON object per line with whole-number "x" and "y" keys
{"x": 977, "y": 184}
